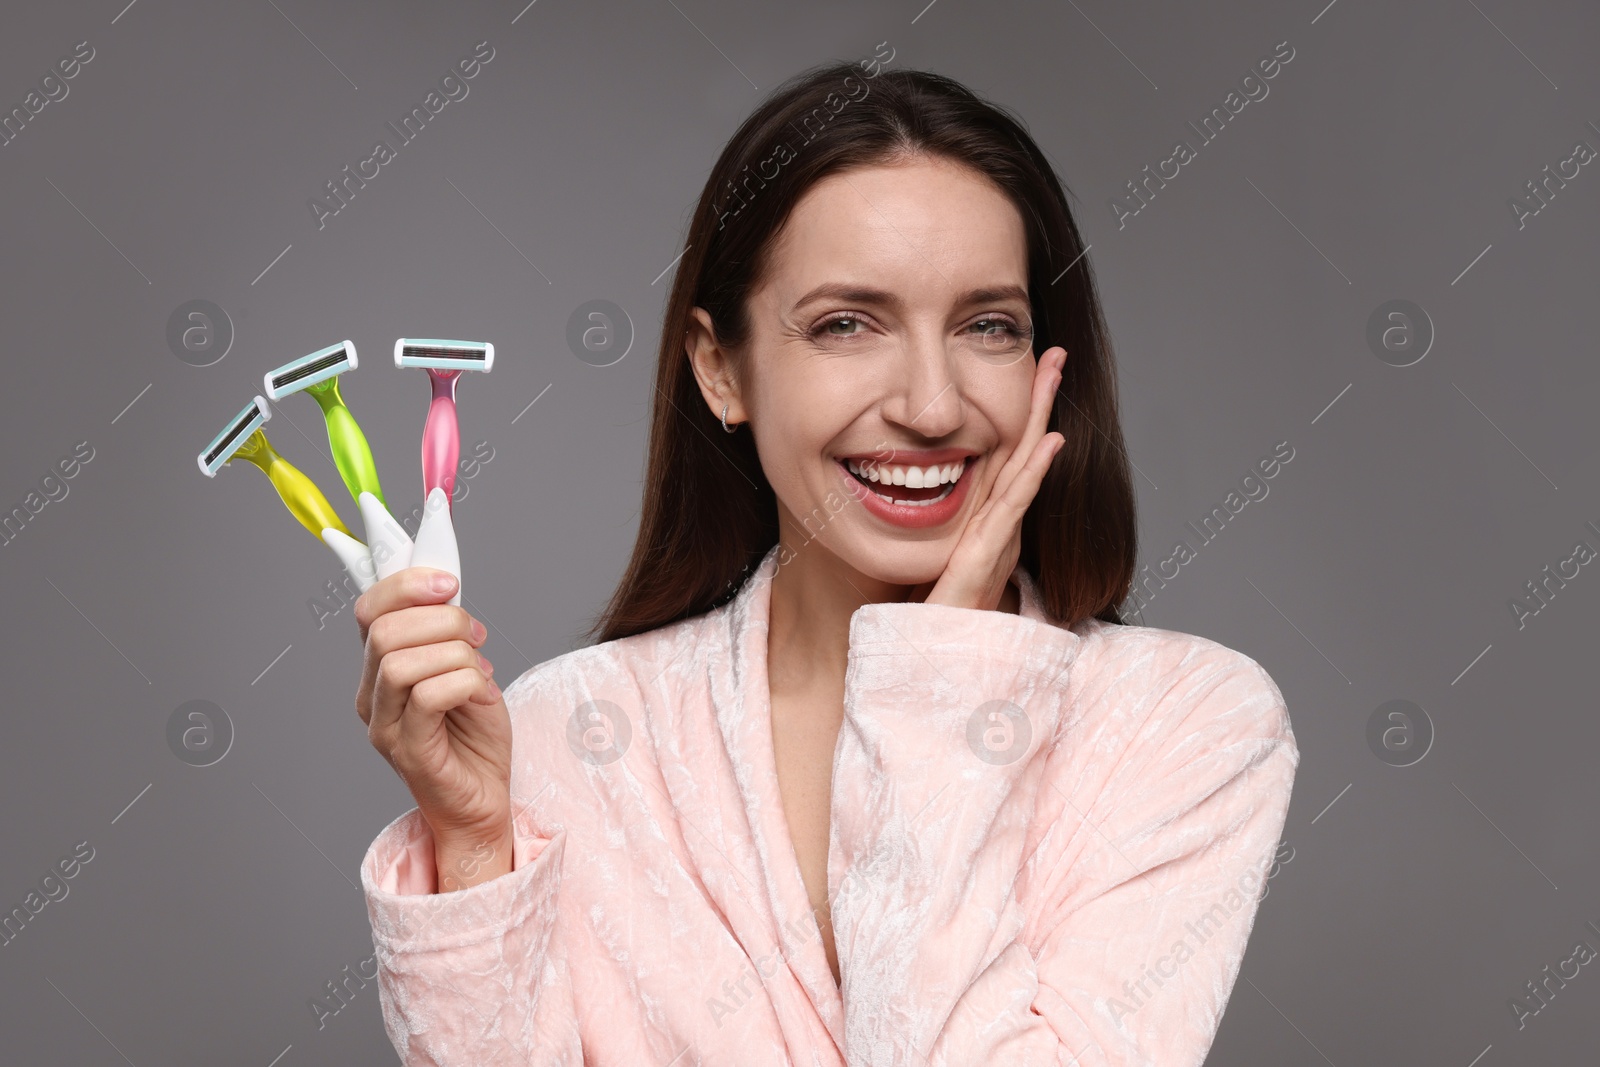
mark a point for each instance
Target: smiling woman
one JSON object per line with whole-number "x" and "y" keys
{"x": 865, "y": 766}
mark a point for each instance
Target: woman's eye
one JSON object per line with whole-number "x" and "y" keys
{"x": 850, "y": 324}
{"x": 996, "y": 329}
{"x": 1000, "y": 336}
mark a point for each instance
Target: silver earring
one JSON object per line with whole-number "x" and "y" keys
{"x": 725, "y": 427}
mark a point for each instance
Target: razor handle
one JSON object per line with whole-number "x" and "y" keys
{"x": 441, "y": 436}
{"x": 351, "y": 453}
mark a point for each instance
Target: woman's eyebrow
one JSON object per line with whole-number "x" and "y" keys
{"x": 863, "y": 294}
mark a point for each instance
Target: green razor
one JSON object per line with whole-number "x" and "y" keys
{"x": 318, "y": 374}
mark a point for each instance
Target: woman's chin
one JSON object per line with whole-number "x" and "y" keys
{"x": 903, "y": 563}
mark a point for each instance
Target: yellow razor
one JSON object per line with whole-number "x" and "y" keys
{"x": 244, "y": 439}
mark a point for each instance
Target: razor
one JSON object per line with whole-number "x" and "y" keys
{"x": 244, "y": 439}
{"x": 441, "y": 438}
{"x": 441, "y": 442}
{"x": 318, "y": 375}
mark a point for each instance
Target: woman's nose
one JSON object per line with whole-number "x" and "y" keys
{"x": 927, "y": 397}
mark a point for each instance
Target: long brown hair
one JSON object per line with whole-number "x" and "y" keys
{"x": 709, "y": 513}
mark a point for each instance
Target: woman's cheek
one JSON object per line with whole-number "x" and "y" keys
{"x": 1010, "y": 403}
{"x": 783, "y": 462}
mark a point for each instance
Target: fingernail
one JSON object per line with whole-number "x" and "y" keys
{"x": 442, "y": 582}
{"x": 478, "y": 631}
{"x": 488, "y": 668}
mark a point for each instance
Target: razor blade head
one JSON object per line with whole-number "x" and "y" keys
{"x": 307, "y": 371}
{"x": 435, "y": 354}
{"x": 229, "y": 441}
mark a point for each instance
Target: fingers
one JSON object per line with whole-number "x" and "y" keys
{"x": 403, "y": 612}
{"x": 413, "y": 627}
{"x": 1001, "y": 521}
{"x": 429, "y": 700}
{"x": 422, "y": 625}
{"x": 1046, "y": 377}
{"x": 987, "y": 552}
{"x": 1019, "y": 494}
{"x": 413, "y": 679}
{"x": 414, "y": 585}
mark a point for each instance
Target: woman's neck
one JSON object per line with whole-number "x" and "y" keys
{"x": 813, "y": 595}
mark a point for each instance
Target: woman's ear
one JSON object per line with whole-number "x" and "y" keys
{"x": 713, "y": 369}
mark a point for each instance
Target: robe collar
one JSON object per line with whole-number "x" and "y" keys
{"x": 743, "y": 708}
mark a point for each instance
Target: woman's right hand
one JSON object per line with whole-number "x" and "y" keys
{"x": 432, "y": 709}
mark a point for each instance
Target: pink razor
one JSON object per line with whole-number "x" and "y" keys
{"x": 441, "y": 439}
{"x": 441, "y": 443}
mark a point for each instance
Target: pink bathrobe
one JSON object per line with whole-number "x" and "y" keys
{"x": 1047, "y": 848}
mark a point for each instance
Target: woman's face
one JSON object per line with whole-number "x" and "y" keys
{"x": 889, "y": 366}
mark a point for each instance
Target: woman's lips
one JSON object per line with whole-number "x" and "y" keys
{"x": 900, "y": 508}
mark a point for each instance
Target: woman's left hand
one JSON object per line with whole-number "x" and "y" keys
{"x": 984, "y": 557}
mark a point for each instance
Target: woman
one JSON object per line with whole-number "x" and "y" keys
{"x": 865, "y": 768}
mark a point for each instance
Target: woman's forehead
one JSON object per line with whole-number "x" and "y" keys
{"x": 931, "y": 230}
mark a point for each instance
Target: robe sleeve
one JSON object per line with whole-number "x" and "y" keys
{"x": 1018, "y": 880}
{"x": 478, "y": 975}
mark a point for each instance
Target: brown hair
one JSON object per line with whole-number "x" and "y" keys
{"x": 709, "y": 514}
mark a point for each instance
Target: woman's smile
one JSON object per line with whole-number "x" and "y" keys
{"x": 910, "y": 487}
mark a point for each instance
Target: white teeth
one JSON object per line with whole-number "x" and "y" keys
{"x": 948, "y": 490}
{"x": 910, "y": 477}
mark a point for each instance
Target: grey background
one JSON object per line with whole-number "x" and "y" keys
{"x": 1380, "y": 567}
